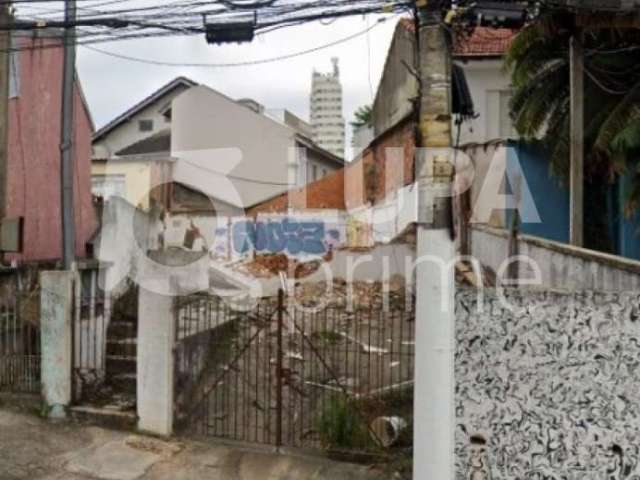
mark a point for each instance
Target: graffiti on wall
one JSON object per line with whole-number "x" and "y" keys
{"x": 552, "y": 391}
{"x": 286, "y": 235}
{"x": 295, "y": 237}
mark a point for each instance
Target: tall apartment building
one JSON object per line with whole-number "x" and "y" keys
{"x": 327, "y": 122}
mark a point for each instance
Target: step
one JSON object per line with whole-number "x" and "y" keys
{"x": 105, "y": 417}
{"x": 124, "y": 382}
{"x": 122, "y": 347}
{"x": 122, "y": 330}
{"x": 121, "y": 364}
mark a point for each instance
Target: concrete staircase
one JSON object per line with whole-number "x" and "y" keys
{"x": 122, "y": 349}
{"x": 114, "y": 405}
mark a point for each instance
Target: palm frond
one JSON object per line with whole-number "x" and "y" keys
{"x": 627, "y": 139}
{"x": 532, "y": 103}
{"x": 626, "y": 111}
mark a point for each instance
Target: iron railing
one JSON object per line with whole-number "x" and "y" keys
{"x": 90, "y": 317}
{"x": 20, "y": 345}
{"x": 289, "y": 377}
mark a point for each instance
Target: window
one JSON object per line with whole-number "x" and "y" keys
{"x": 506, "y": 124}
{"x": 107, "y": 186}
{"x": 314, "y": 174}
{"x": 498, "y": 123}
{"x": 145, "y": 125}
{"x": 324, "y": 172}
{"x": 14, "y": 69}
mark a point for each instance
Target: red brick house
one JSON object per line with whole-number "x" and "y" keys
{"x": 33, "y": 163}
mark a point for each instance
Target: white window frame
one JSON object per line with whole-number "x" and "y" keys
{"x": 109, "y": 185}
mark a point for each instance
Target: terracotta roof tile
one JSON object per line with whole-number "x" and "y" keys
{"x": 483, "y": 41}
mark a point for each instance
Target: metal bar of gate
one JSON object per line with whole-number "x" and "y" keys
{"x": 279, "y": 371}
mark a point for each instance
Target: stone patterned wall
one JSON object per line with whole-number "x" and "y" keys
{"x": 550, "y": 390}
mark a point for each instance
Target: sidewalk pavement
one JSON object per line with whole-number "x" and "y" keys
{"x": 34, "y": 449}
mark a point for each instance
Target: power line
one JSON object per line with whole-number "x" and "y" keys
{"x": 184, "y": 17}
{"x": 237, "y": 64}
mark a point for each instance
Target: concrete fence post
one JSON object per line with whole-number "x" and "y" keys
{"x": 56, "y": 301}
{"x": 155, "y": 363}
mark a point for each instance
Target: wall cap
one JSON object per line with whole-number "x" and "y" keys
{"x": 614, "y": 261}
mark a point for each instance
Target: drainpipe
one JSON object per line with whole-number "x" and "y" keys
{"x": 5, "y": 45}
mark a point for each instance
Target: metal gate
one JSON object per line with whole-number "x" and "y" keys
{"x": 291, "y": 377}
{"x": 20, "y": 345}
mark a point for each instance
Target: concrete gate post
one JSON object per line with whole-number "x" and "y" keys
{"x": 155, "y": 363}
{"x": 56, "y": 295}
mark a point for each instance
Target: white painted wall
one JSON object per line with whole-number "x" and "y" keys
{"x": 155, "y": 362}
{"x": 226, "y": 150}
{"x": 126, "y": 235}
{"x": 486, "y": 79}
{"x": 560, "y": 265}
{"x": 128, "y": 132}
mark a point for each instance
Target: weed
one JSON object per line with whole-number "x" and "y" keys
{"x": 342, "y": 428}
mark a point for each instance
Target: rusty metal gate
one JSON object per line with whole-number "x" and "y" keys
{"x": 291, "y": 377}
{"x": 20, "y": 344}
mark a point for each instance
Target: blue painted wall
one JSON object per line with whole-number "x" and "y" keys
{"x": 550, "y": 198}
{"x": 552, "y": 202}
{"x": 628, "y": 234}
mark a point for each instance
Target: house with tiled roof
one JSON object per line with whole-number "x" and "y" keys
{"x": 480, "y": 55}
{"x": 480, "y": 93}
{"x": 128, "y": 152}
{"x": 145, "y": 154}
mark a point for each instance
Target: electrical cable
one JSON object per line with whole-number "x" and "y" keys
{"x": 236, "y": 64}
{"x": 185, "y": 17}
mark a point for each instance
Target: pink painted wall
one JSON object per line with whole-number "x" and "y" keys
{"x": 34, "y": 156}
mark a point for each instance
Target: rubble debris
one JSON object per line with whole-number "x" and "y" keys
{"x": 364, "y": 295}
{"x": 265, "y": 266}
{"x": 386, "y": 430}
{"x": 366, "y": 348}
{"x": 467, "y": 275}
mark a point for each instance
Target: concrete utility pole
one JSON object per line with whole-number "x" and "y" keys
{"x": 5, "y": 55}
{"x": 434, "y": 411}
{"x": 66, "y": 136}
{"x": 576, "y": 205}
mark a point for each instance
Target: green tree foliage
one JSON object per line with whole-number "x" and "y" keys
{"x": 363, "y": 117}
{"x": 538, "y": 61}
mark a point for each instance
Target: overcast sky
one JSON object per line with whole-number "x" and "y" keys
{"x": 113, "y": 85}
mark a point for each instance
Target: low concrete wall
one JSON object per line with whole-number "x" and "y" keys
{"x": 548, "y": 389}
{"x": 560, "y": 265}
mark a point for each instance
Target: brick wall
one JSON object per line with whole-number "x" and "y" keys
{"x": 385, "y": 166}
{"x": 33, "y": 165}
{"x": 326, "y": 193}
